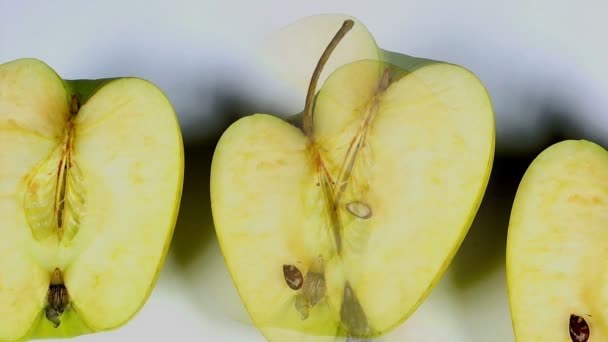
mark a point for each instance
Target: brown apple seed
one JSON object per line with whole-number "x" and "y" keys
{"x": 57, "y": 298}
{"x": 293, "y": 277}
{"x": 579, "y": 329}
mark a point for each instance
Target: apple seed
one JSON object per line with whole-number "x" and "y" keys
{"x": 313, "y": 289}
{"x": 353, "y": 318}
{"x": 359, "y": 209}
{"x": 314, "y": 284}
{"x": 293, "y": 277}
{"x": 579, "y": 329}
{"x": 57, "y": 298}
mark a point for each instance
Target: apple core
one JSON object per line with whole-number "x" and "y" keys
{"x": 55, "y": 199}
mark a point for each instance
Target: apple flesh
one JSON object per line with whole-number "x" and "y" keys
{"x": 556, "y": 249}
{"x": 90, "y": 184}
{"x": 344, "y": 232}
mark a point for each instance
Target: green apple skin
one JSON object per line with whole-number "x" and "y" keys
{"x": 72, "y": 325}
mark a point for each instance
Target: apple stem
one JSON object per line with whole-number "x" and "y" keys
{"x": 312, "y": 87}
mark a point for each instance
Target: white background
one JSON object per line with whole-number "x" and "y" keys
{"x": 543, "y": 62}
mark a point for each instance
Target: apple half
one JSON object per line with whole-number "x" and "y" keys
{"x": 556, "y": 248}
{"x": 90, "y": 182}
{"x": 339, "y": 226}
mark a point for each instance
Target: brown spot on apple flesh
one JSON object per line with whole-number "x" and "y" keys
{"x": 57, "y": 298}
{"x": 293, "y": 277}
{"x": 579, "y": 329}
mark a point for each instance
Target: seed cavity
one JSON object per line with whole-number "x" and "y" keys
{"x": 74, "y": 204}
{"x": 313, "y": 289}
{"x": 293, "y": 277}
{"x": 54, "y": 202}
{"x": 579, "y": 329}
{"x": 359, "y": 209}
{"x": 38, "y": 202}
{"x": 57, "y": 298}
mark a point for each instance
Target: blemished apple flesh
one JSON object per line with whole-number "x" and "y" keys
{"x": 343, "y": 233}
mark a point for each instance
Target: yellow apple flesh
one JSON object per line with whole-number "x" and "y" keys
{"x": 345, "y": 232}
{"x": 556, "y": 248}
{"x": 90, "y": 181}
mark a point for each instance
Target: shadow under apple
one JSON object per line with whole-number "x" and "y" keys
{"x": 476, "y": 278}
{"x": 195, "y": 263}
{"x": 483, "y": 249}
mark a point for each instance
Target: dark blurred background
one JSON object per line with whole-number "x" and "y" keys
{"x": 543, "y": 62}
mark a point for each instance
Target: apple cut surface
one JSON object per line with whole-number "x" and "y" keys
{"x": 88, "y": 199}
{"x": 556, "y": 251}
{"x": 404, "y": 156}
